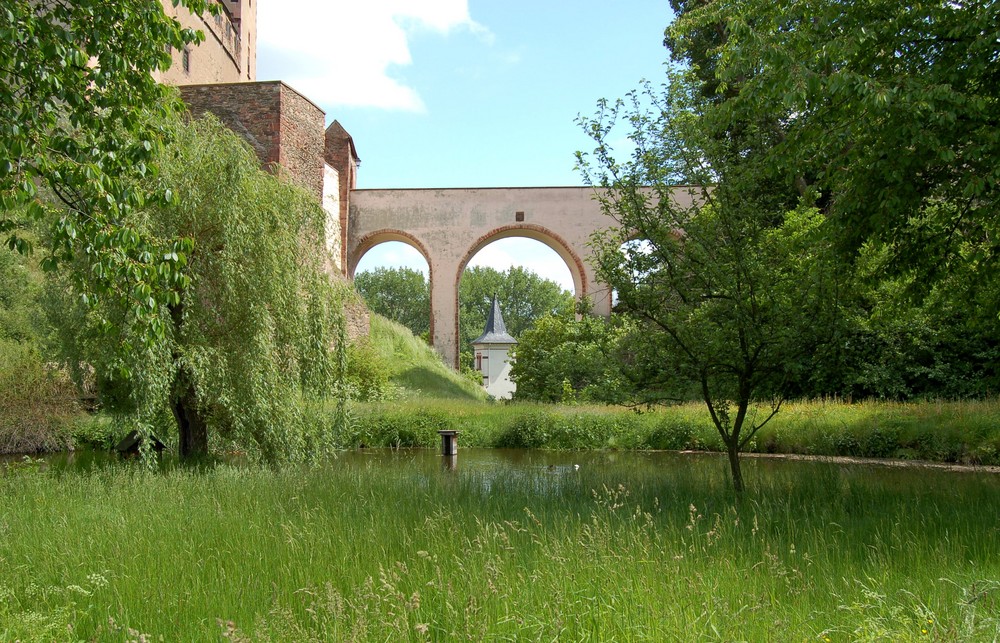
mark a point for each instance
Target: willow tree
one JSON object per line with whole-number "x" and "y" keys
{"x": 252, "y": 337}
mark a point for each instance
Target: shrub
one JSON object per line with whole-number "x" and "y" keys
{"x": 671, "y": 434}
{"x": 399, "y": 428}
{"x": 529, "y": 430}
{"x": 37, "y": 403}
{"x": 368, "y": 373}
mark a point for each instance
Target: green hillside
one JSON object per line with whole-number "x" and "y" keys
{"x": 416, "y": 367}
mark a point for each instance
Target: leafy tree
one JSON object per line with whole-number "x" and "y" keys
{"x": 524, "y": 298}
{"x": 399, "y": 294}
{"x": 563, "y": 359}
{"x": 733, "y": 290}
{"x": 893, "y": 346}
{"x": 82, "y": 120}
{"x": 887, "y": 115}
{"x": 20, "y": 288}
{"x": 884, "y": 115}
{"x": 252, "y": 336}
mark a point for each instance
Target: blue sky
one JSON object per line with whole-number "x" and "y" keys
{"x": 449, "y": 93}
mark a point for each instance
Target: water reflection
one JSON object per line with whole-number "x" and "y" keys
{"x": 553, "y": 472}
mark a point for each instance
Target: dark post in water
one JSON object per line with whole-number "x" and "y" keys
{"x": 449, "y": 442}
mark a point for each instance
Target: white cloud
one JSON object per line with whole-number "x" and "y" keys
{"x": 342, "y": 53}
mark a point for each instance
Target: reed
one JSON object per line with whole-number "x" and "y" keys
{"x": 965, "y": 432}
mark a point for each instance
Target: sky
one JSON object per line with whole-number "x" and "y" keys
{"x": 463, "y": 93}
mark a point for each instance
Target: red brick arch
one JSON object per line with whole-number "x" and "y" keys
{"x": 379, "y": 237}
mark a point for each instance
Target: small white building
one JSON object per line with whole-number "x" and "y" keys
{"x": 491, "y": 355}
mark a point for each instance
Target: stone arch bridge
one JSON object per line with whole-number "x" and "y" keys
{"x": 449, "y": 226}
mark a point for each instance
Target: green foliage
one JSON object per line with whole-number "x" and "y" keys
{"x": 399, "y": 428}
{"x": 97, "y": 431}
{"x": 252, "y": 335}
{"x": 399, "y": 294}
{"x": 883, "y": 115}
{"x": 368, "y": 373}
{"x": 20, "y": 289}
{"x": 562, "y": 359}
{"x": 82, "y": 123}
{"x": 38, "y": 402}
{"x": 524, "y": 298}
{"x": 623, "y": 548}
{"x": 942, "y": 344}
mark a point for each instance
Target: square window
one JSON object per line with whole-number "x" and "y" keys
{"x": 519, "y": 216}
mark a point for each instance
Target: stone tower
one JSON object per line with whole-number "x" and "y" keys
{"x": 229, "y": 52}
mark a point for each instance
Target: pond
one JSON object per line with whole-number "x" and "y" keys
{"x": 547, "y": 471}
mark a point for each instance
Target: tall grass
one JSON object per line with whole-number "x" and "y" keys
{"x": 402, "y": 548}
{"x": 415, "y": 367}
{"x": 961, "y": 432}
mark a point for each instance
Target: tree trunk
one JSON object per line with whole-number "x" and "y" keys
{"x": 190, "y": 424}
{"x": 733, "y": 449}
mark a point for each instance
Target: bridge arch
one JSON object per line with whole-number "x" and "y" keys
{"x": 537, "y": 233}
{"x": 529, "y": 231}
{"x": 378, "y": 237}
{"x": 358, "y": 250}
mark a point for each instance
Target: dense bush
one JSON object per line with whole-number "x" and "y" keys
{"x": 38, "y": 403}
{"x": 369, "y": 375}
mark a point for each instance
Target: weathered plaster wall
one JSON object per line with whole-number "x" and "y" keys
{"x": 341, "y": 154}
{"x": 495, "y": 361}
{"x": 228, "y": 53}
{"x": 331, "y": 205}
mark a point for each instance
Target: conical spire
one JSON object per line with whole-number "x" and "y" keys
{"x": 496, "y": 330}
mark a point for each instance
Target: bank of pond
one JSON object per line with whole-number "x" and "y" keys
{"x": 955, "y": 432}
{"x": 405, "y": 544}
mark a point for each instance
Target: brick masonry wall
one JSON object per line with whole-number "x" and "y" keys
{"x": 279, "y": 124}
{"x": 302, "y": 140}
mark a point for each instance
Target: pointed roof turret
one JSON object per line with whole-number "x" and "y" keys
{"x": 496, "y": 330}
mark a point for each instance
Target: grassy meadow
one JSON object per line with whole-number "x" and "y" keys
{"x": 504, "y": 546}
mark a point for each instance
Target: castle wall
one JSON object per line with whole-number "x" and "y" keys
{"x": 228, "y": 53}
{"x": 281, "y": 125}
{"x": 301, "y": 140}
